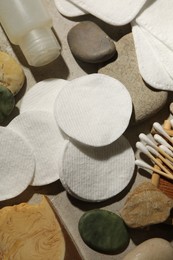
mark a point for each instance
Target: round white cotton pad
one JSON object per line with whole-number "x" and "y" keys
{"x": 164, "y": 53}
{"x": 150, "y": 66}
{"x": 156, "y": 18}
{"x": 94, "y": 109}
{"x": 17, "y": 164}
{"x": 66, "y": 8}
{"x": 62, "y": 178}
{"x": 41, "y": 131}
{"x": 97, "y": 174}
{"x": 115, "y": 12}
{"x": 42, "y": 95}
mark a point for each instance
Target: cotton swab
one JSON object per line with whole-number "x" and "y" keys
{"x": 145, "y": 138}
{"x": 156, "y": 153}
{"x": 145, "y": 165}
{"x": 148, "y": 141}
{"x": 166, "y": 150}
{"x": 161, "y": 131}
{"x": 143, "y": 149}
{"x": 169, "y": 132}
{"x": 166, "y": 126}
{"x": 162, "y": 141}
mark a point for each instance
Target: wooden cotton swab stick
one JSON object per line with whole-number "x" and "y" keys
{"x": 143, "y": 149}
{"x": 169, "y": 132}
{"x": 145, "y": 139}
{"x": 155, "y": 179}
{"x": 166, "y": 127}
{"x": 156, "y": 153}
{"x": 145, "y": 165}
{"x": 161, "y": 140}
{"x": 169, "y": 152}
{"x": 161, "y": 131}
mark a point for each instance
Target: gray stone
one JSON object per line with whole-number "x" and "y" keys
{"x": 89, "y": 43}
{"x": 146, "y": 100}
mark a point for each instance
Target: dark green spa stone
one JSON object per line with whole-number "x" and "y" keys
{"x": 7, "y": 102}
{"x": 103, "y": 231}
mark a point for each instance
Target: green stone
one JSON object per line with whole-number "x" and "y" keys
{"x": 7, "y": 102}
{"x": 103, "y": 231}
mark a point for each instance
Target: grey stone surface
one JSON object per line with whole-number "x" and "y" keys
{"x": 146, "y": 100}
{"x": 89, "y": 43}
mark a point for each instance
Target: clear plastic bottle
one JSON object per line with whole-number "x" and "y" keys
{"x": 28, "y": 24}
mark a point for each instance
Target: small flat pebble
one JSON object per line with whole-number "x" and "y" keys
{"x": 7, "y": 102}
{"x": 103, "y": 231}
{"x": 11, "y": 73}
{"x": 89, "y": 43}
{"x": 146, "y": 205}
{"x": 146, "y": 100}
{"x": 151, "y": 249}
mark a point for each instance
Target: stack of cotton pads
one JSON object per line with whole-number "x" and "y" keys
{"x": 72, "y": 130}
{"x": 153, "y": 36}
{"x": 114, "y": 12}
{"x": 97, "y": 162}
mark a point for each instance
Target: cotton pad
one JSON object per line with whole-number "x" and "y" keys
{"x": 66, "y": 8}
{"x": 17, "y": 164}
{"x": 150, "y": 66}
{"x": 164, "y": 53}
{"x": 94, "y": 109}
{"x": 61, "y": 177}
{"x": 41, "y": 131}
{"x": 97, "y": 174}
{"x": 42, "y": 95}
{"x": 156, "y": 17}
{"x": 115, "y": 12}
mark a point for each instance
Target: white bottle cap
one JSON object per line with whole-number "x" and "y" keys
{"x": 40, "y": 47}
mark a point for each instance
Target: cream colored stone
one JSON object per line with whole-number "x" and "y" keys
{"x": 11, "y": 73}
{"x": 151, "y": 249}
{"x": 146, "y": 205}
